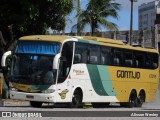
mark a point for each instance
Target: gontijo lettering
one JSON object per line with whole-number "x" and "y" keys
{"x": 128, "y": 74}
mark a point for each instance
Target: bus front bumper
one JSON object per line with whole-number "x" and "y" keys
{"x": 39, "y": 97}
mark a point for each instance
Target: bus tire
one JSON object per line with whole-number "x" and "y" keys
{"x": 140, "y": 99}
{"x": 132, "y": 100}
{"x": 76, "y": 99}
{"x": 36, "y": 104}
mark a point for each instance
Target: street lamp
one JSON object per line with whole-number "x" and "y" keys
{"x": 131, "y": 22}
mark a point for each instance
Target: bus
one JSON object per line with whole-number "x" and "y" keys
{"x": 76, "y": 70}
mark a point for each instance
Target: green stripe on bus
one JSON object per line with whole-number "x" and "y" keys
{"x": 88, "y": 41}
{"x": 96, "y": 80}
{"x": 106, "y": 80}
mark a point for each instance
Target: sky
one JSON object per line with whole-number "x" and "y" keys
{"x": 123, "y": 21}
{"x": 124, "y": 14}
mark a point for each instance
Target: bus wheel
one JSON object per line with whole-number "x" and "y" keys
{"x": 36, "y": 104}
{"x": 76, "y": 99}
{"x": 140, "y": 99}
{"x": 100, "y": 105}
{"x": 132, "y": 100}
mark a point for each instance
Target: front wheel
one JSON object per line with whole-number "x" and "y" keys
{"x": 76, "y": 100}
{"x": 36, "y": 104}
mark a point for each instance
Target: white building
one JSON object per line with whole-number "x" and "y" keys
{"x": 147, "y": 14}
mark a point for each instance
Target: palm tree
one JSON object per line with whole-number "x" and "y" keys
{"x": 96, "y": 14}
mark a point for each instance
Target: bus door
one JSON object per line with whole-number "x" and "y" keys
{"x": 63, "y": 87}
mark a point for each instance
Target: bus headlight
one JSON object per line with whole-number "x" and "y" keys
{"x": 13, "y": 89}
{"x": 48, "y": 91}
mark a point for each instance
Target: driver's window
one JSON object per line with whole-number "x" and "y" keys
{"x": 16, "y": 65}
{"x": 65, "y": 61}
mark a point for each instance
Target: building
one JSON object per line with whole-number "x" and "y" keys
{"x": 157, "y": 31}
{"x": 147, "y": 15}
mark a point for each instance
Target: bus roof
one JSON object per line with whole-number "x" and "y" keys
{"x": 61, "y": 38}
{"x": 103, "y": 40}
{"x": 115, "y": 43}
{"x": 56, "y": 38}
{"x": 86, "y": 39}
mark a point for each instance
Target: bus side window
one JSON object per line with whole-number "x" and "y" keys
{"x": 116, "y": 61}
{"x": 118, "y": 58}
{"x": 148, "y": 61}
{"x": 93, "y": 59}
{"x": 136, "y": 63}
{"x": 139, "y": 60}
{"x": 93, "y": 54}
{"x": 77, "y": 58}
{"x": 155, "y": 61}
{"x": 128, "y": 63}
{"x": 80, "y": 55}
{"x": 105, "y": 55}
{"x": 128, "y": 59}
{"x": 102, "y": 60}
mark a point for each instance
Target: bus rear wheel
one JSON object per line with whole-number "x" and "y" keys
{"x": 132, "y": 100}
{"x": 140, "y": 99}
{"x": 36, "y": 104}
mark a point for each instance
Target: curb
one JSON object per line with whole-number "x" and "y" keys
{"x": 1, "y": 103}
{"x": 9, "y": 102}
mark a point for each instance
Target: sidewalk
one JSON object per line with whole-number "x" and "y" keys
{"x": 9, "y": 102}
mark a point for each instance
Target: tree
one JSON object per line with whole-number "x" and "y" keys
{"x": 96, "y": 15}
{"x": 28, "y": 17}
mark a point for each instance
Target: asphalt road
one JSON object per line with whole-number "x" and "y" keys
{"x": 61, "y": 112}
{"x": 21, "y": 109}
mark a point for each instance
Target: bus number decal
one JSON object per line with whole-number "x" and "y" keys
{"x": 152, "y": 76}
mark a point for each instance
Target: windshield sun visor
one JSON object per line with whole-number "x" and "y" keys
{"x": 34, "y": 47}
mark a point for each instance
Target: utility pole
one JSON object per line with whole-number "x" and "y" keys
{"x": 131, "y": 22}
{"x": 78, "y": 18}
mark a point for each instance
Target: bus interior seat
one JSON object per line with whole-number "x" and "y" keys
{"x": 93, "y": 59}
{"x": 155, "y": 65}
{"x": 77, "y": 58}
{"x": 147, "y": 63}
{"x": 137, "y": 63}
{"x": 128, "y": 63}
{"x": 102, "y": 60}
{"x": 116, "y": 61}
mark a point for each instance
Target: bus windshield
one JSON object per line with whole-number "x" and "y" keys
{"x": 32, "y": 63}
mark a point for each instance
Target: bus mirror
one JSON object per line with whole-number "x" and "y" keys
{"x": 55, "y": 62}
{"x": 4, "y": 58}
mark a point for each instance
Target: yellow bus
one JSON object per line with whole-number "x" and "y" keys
{"x": 85, "y": 69}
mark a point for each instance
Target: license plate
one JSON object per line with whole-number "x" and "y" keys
{"x": 29, "y": 96}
